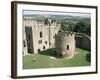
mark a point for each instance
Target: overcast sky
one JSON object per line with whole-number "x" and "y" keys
{"x": 32, "y": 12}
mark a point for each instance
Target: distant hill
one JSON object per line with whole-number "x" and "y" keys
{"x": 58, "y": 17}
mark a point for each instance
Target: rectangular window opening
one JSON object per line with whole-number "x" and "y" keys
{"x": 40, "y": 41}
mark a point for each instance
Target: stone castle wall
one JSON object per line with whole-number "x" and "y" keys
{"x": 83, "y": 42}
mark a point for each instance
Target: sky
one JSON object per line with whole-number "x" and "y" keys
{"x": 32, "y": 12}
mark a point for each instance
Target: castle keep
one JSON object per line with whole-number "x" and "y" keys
{"x": 38, "y": 35}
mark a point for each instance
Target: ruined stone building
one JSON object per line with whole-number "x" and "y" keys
{"x": 38, "y": 35}
{"x": 42, "y": 34}
{"x": 65, "y": 44}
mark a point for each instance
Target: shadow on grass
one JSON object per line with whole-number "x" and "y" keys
{"x": 88, "y": 57}
{"x": 51, "y": 52}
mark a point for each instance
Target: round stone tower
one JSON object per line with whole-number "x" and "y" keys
{"x": 65, "y": 44}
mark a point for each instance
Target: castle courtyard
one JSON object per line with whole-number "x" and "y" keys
{"x": 46, "y": 60}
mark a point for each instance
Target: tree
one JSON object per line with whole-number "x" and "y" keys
{"x": 82, "y": 27}
{"x": 67, "y": 27}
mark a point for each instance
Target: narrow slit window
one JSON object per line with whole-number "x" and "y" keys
{"x": 43, "y": 47}
{"x": 40, "y": 34}
{"x": 29, "y": 36}
{"x": 67, "y": 47}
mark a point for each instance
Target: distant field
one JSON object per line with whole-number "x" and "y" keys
{"x": 46, "y": 60}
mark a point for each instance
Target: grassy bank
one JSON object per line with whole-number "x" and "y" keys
{"x": 47, "y": 59}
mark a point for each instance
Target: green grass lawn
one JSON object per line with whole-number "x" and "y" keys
{"x": 45, "y": 60}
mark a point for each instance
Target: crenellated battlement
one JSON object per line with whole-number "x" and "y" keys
{"x": 43, "y": 21}
{"x": 41, "y": 24}
{"x": 66, "y": 34}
